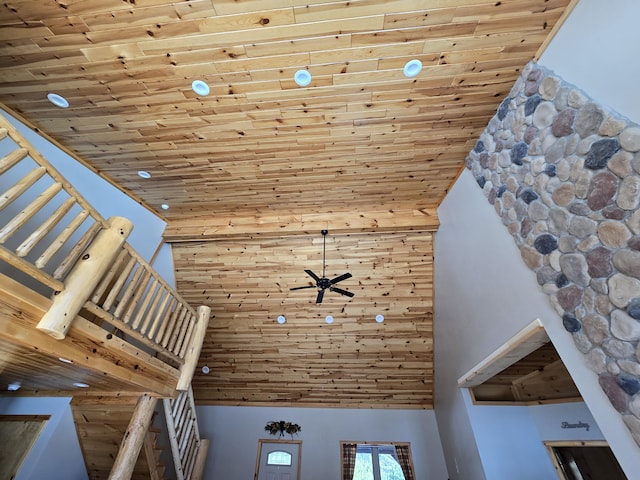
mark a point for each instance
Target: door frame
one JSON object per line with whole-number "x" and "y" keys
{"x": 27, "y": 428}
{"x": 549, "y": 444}
{"x": 270, "y": 441}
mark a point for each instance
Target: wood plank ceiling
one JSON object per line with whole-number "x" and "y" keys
{"x": 245, "y": 171}
{"x": 540, "y": 377}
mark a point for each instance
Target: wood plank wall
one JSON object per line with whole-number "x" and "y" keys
{"x": 352, "y": 362}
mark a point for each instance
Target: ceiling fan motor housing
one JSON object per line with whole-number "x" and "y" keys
{"x": 323, "y": 283}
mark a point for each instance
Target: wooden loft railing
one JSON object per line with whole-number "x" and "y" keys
{"x": 189, "y": 450}
{"x": 58, "y": 243}
{"x": 134, "y": 299}
{"x": 54, "y": 243}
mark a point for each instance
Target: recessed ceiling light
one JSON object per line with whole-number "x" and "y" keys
{"x": 302, "y": 78}
{"x": 143, "y": 174}
{"x": 281, "y": 320}
{"x": 64, "y": 360}
{"x": 58, "y": 100}
{"x": 164, "y": 206}
{"x": 80, "y": 385}
{"x": 412, "y": 68}
{"x": 13, "y": 387}
{"x": 328, "y": 319}
{"x": 201, "y": 88}
{"x": 205, "y": 370}
{"x": 379, "y": 318}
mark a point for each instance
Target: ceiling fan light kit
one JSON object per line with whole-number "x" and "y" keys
{"x": 323, "y": 283}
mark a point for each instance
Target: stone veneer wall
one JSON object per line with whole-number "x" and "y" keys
{"x": 563, "y": 173}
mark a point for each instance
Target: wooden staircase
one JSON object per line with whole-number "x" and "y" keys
{"x": 152, "y": 455}
{"x": 101, "y": 423}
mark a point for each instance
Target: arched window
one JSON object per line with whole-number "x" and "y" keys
{"x": 279, "y": 457}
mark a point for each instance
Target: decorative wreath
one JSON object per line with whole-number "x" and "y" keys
{"x": 282, "y": 427}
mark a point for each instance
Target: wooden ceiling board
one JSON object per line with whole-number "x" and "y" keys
{"x": 128, "y": 64}
{"x": 30, "y": 358}
{"x": 539, "y": 377}
{"x": 38, "y": 372}
{"x": 362, "y": 149}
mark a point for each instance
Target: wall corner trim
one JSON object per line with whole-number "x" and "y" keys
{"x": 527, "y": 340}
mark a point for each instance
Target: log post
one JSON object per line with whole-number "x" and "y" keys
{"x": 84, "y": 277}
{"x": 201, "y": 457}
{"x": 193, "y": 352}
{"x": 133, "y": 438}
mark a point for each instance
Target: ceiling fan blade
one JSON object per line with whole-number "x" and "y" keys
{"x": 339, "y": 278}
{"x": 312, "y": 275}
{"x": 320, "y": 296}
{"x": 300, "y": 288}
{"x": 342, "y": 292}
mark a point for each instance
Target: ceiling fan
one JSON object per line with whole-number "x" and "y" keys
{"x": 323, "y": 283}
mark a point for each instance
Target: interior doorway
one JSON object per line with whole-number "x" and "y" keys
{"x": 278, "y": 460}
{"x": 584, "y": 460}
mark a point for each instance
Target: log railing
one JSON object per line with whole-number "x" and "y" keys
{"x": 58, "y": 244}
{"x": 188, "y": 449}
{"x": 40, "y": 239}
{"x": 134, "y": 299}
{"x": 54, "y": 242}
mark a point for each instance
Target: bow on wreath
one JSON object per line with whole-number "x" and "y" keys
{"x": 282, "y": 427}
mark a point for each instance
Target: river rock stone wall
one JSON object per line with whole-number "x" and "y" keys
{"x": 563, "y": 173}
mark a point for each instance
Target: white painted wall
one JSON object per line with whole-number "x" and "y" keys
{"x": 484, "y": 294}
{"x": 549, "y": 420}
{"x": 597, "y": 50}
{"x": 520, "y": 431}
{"x": 234, "y": 433}
{"x": 163, "y": 264}
{"x": 508, "y": 442}
{"x": 56, "y": 454}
